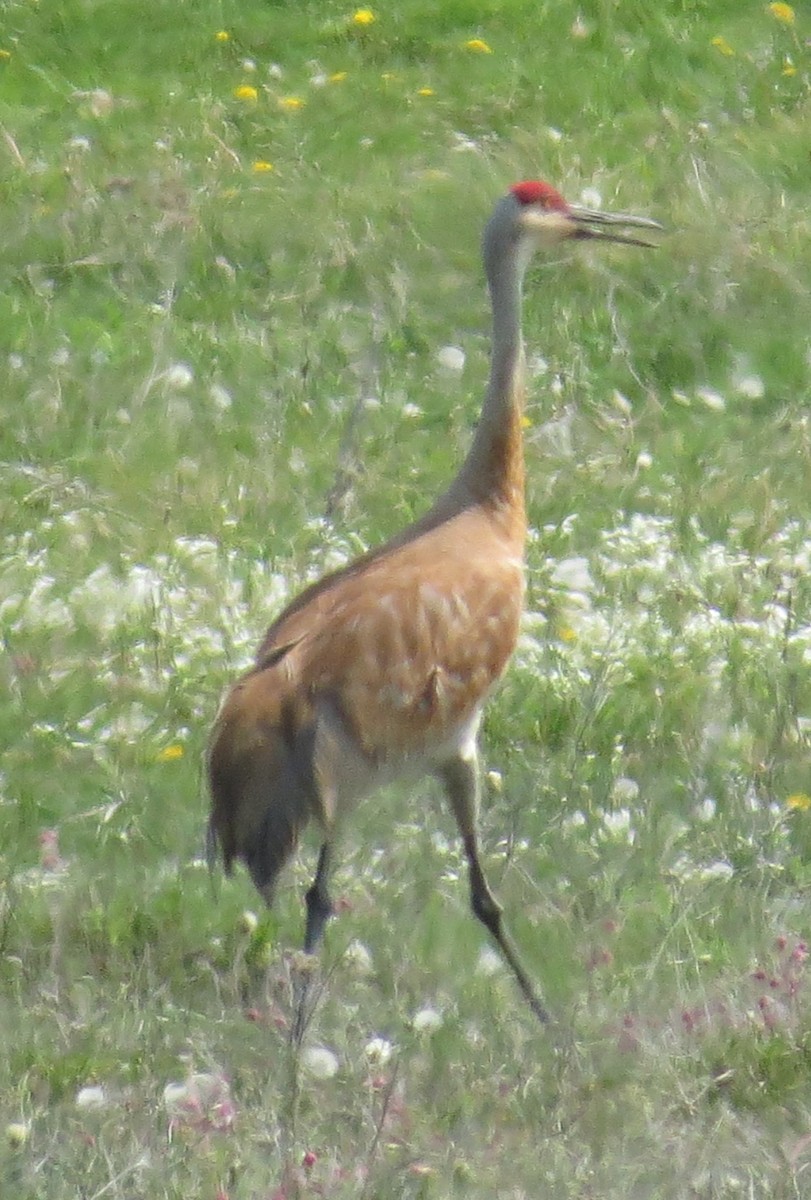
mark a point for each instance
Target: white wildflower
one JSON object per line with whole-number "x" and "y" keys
{"x": 618, "y": 824}
{"x": 573, "y": 575}
{"x": 751, "y": 387}
{"x": 220, "y": 397}
{"x": 452, "y": 358}
{"x": 624, "y": 790}
{"x": 248, "y": 921}
{"x": 426, "y": 1020}
{"x": 591, "y": 198}
{"x": 713, "y": 400}
{"x": 320, "y": 1062}
{"x": 378, "y": 1051}
{"x": 91, "y": 1097}
{"x": 489, "y": 962}
{"x": 179, "y": 376}
{"x": 705, "y": 811}
{"x": 358, "y": 957}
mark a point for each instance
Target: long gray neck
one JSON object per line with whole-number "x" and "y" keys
{"x": 494, "y": 466}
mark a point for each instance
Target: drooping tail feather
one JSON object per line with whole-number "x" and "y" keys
{"x": 260, "y": 800}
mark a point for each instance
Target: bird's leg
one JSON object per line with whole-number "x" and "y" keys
{"x": 319, "y": 910}
{"x": 319, "y": 904}
{"x": 460, "y": 778}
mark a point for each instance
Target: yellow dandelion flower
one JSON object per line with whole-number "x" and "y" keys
{"x": 170, "y": 753}
{"x": 363, "y": 16}
{"x": 222, "y": 35}
{"x": 477, "y": 46}
{"x": 800, "y": 801}
{"x": 789, "y": 69}
{"x": 291, "y": 103}
{"x": 566, "y": 633}
{"x": 426, "y": 91}
{"x": 247, "y": 93}
{"x": 5, "y": 55}
{"x": 260, "y": 166}
{"x": 337, "y": 76}
{"x": 783, "y": 13}
{"x": 723, "y": 46}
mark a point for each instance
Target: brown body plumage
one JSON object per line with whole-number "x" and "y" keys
{"x": 380, "y": 671}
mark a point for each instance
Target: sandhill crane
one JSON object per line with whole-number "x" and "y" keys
{"x": 381, "y": 669}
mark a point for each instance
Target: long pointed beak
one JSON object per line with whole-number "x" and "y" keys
{"x": 585, "y": 220}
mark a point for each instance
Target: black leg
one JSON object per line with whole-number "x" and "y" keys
{"x": 319, "y": 904}
{"x": 319, "y": 910}
{"x": 461, "y": 785}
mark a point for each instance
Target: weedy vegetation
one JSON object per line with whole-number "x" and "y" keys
{"x": 244, "y": 335}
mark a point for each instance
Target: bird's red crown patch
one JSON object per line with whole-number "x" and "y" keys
{"x": 533, "y": 191}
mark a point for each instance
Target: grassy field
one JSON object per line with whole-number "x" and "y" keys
{"x": 236, "y": 241}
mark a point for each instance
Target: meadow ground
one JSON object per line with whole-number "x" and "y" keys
{"x": 243, "y": 334}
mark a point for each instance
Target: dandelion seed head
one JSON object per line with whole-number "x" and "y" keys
{"x": 426, "y": 1020}
{"x": 591, "y": 198}
{"x": 489, "y": 962}
{"x": 751, "y": 387}
{"x": 378, "y": 1050}
{"x": 179, "y": 376}
{"x": 452, "y": 358}
{"x": 624, "y": 790}
{"x": 319, "y": 1062}
{"x": 91, "y": 1098}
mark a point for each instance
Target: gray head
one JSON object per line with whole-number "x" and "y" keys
{"x": 534, "y": 214}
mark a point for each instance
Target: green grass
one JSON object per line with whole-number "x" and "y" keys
{"x": 215, "y": 383}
